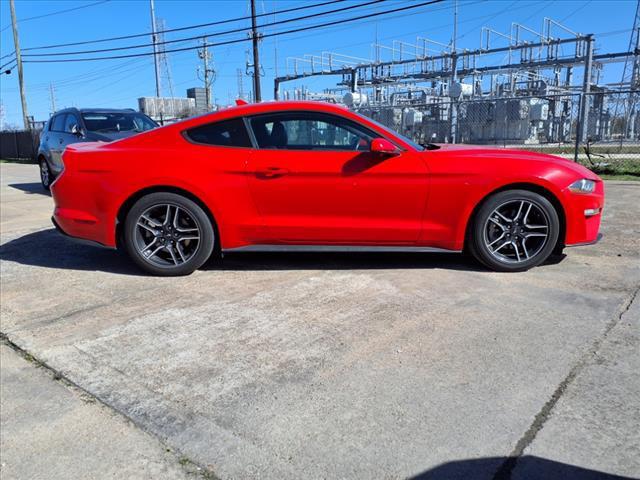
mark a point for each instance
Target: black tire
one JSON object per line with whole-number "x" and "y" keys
{"x": 175, "y": 250}
{"x": 46, "y": 176}
{"x": 517, "y": 219}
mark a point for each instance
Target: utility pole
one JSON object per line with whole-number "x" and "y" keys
{"x": 240, "y": 84}
{"x": 52, "y": 97}
{"x": 16, "y": 43}
{"x": 208, "y": 74}
{"x": 582, "y": 127}
{"x": 256, "y": 60}
{"x": 154, "y": 39}
{"x": 454, "y": 75}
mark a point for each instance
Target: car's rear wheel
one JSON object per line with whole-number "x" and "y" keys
{"x": 514, "y": 230}
{"x": 168, "y": 234}
{"x": 46, "y": 176}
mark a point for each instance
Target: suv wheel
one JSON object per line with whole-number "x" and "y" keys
{"x": 46, "y": 176}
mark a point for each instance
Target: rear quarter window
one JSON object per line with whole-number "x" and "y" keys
{"x": 227, "y": 133}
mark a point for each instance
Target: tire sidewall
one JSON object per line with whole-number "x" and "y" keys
{"x": 43, "y": 164}
{"x": 207, "y": 233}
{"x": 481, "y": 251}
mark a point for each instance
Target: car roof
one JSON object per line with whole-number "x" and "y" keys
{"x": 279, "y": 105}
{"x": 259, "y": 108}
{"x": 96, "y": 110}
{"x": 106, "y": 110}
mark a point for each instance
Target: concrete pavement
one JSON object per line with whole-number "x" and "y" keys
{"x": 50, "y": 430}
{"x": 349, "y": 366}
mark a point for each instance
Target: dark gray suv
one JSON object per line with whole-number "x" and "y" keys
{"x": 73, "y": 125}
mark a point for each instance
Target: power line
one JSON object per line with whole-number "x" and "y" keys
{"x": 162, "y": 32}
{"x": 13, "y": 60}
{"x": 188, "y": 27}
{"x": 229, "y": 42}
{"x": 203, "y": 36}
{"x": 54, "y": 13}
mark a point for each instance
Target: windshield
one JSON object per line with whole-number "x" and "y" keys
{"x": 117, "y": 122}
{"x": 415, "y": 145}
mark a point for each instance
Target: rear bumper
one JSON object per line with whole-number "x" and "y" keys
{"x": 74, "y": 238}
{"x": 82, "y": 208}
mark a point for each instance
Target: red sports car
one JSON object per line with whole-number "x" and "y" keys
{"x": 315, "y": 176}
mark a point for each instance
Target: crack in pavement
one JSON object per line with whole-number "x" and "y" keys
{"x": 190, "y": 466}
{"x": 507, "y": 467}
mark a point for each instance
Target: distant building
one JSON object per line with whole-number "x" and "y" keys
{"x": 166, "y": 109}
{"x": 199, "y": 94}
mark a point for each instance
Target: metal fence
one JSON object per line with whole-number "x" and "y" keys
{"x": 599, "y": 129}
{"x": 19, "y": 144}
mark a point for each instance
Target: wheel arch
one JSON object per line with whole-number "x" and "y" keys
{"x": 532, "y": 187}
{"x": 134, "y": 197}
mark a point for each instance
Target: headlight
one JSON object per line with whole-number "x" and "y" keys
{"x": 583, "y": 186}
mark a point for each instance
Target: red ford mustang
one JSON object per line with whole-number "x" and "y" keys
{"x": 314, "y": 176}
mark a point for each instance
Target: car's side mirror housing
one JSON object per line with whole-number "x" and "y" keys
{"x": 77, "y": 131}
{"x": 383, "y": 146}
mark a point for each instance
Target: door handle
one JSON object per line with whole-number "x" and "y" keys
{"x": 61, "y": 141}
{"x": 272, "y": 172}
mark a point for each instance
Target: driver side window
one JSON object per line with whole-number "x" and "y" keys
{"x": 69, "y": 122}
{"x": 309, "y": 131}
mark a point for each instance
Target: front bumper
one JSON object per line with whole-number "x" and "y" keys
{"x": 584, "y": 214}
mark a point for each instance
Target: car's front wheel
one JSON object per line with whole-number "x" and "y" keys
{"x": 168, "y": 234}
{"x": 514, "y": 230}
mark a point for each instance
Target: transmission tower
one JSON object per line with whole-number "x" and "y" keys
{"x": 164, "y": 57}
{"x": 631, "y": 80}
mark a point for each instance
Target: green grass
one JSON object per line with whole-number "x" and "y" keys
{"x": 633, "y": 178}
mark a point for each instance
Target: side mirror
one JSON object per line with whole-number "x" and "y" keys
{"x": 77, "y": 131}
{"x": 383, "y": 146}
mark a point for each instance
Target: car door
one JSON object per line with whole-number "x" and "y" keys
{"x": 55, "y": 141}
{"x": 218, "y": 156}
{"x": 314, "y": 181}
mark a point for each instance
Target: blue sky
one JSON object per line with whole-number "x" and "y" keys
{"x": 118, "y": 83}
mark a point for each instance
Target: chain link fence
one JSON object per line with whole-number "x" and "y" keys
{"x": 600, "y": 129}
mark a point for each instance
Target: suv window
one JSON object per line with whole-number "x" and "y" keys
{"x": 227, "y": 133}
{"x": 69, "y": 122}
{"x": 310, "y": 131}
{"x": 57, "y": 123}
{"x": 117, "y": 122}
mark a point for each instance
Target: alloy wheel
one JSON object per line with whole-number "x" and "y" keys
{"x": 44, "y": 173}
{"x": 167, "y": 235}
{"x": 516, "y": 231}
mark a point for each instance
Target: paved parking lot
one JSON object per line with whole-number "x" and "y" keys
{"x": 343, "y": 365}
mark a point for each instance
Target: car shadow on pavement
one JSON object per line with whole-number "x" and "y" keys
{"x": 527, "y": 467}
{"x": 253, "y": 261}
{"x": 31, "y": 188}
{"x": 50, "y": 249}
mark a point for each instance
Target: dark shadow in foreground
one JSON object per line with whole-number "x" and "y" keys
{"x": 50, "y": 249}
{"x": 31, "y": 188}
{"x": 527, "y": 467}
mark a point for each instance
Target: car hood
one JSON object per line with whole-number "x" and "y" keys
{"x": 109, "y": 136}
{"x": 479, "y": 152}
